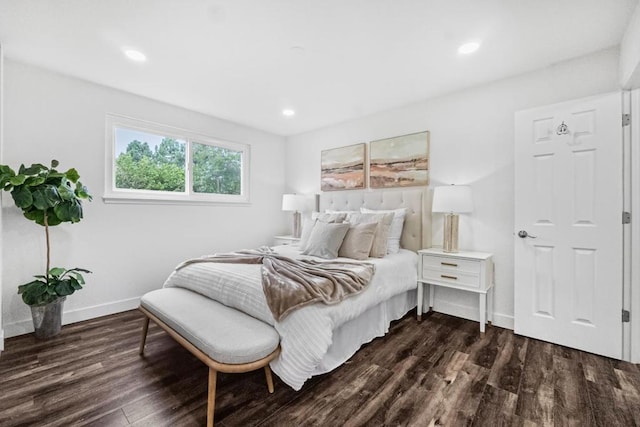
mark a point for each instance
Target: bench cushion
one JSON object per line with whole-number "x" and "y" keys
{"x": 226, "y": 335}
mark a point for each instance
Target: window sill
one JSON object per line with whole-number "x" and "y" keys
{"x": 144, "y": 199}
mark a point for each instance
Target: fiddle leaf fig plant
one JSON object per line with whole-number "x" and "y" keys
{"x": 49, "y": 198}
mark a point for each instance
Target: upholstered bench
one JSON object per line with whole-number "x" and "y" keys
{"x": 225, "y": 339}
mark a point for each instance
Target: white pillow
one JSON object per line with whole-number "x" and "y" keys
{"x": 307, "y": 225}
{"x": 326, "y": 239}
{"x": 393, "y": 244}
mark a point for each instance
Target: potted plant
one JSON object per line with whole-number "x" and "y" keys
{"x": 48, "y": 198}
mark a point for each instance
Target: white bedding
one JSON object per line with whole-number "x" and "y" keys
{"x": 307, "y": 334}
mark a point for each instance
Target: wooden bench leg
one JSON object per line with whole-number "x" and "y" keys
{"x": 267, "y": 372}
{"x": 145, "y": 329}
{"x": 211, "y": 402}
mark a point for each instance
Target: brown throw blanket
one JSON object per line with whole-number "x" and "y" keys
{"x": 289, "y": 283}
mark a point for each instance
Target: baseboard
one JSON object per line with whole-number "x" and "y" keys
{"x": 73, "y": 316}
{"x": 472, "y": 313}
{"x": 1, "y": 340}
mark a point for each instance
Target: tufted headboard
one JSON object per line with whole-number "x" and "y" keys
{"x": 417, "y": 224}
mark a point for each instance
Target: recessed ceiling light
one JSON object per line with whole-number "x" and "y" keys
{"x": 135, "y": 55}
{"x": 288, "y": 112}
{"x": 468, "y": 48}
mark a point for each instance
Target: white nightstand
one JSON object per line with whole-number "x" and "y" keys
{"x": 467, "y": 271}
{"x": 285, "y": 240}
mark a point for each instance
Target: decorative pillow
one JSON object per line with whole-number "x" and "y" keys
{"x": 383, "y": 221}
{"x": 393, "y": 244}
{"x": 358, "y": 241}
{"x": 325, "y": 239}
{"x": 307, "y": 225}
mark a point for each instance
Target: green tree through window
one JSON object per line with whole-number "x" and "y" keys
{"x": 162, "y": 169}
{"x": 216, "y": 170}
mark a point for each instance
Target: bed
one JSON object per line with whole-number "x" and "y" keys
{"x": 317, "y": 338}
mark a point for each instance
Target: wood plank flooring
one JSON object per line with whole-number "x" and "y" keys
{"x": 439, "y": 372}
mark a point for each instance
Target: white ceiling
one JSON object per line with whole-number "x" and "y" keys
{"x": 233, "y": 59}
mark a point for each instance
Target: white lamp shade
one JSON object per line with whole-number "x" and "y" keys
{"x": 293, "y": 202}
{"x": 453, "y": 199}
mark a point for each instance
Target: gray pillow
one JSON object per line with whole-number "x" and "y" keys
{"x": 358, "y": 240}
{"x": 380, "y": 240}
{"x": 325, "y": 239}
{"x": 308, "y": 223}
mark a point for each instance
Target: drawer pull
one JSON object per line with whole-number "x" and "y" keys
{"x": 444, "y": 276}
{"x": 450, "y": 264}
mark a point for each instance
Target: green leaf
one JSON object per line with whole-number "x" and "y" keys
{"x": 79, "y": 278}
{"x": 64, "y": 288}
{"x": 6, "y": 170}
{"x": 54, "y": 163}
{"x": 62, "y": 211}
{"x": 30, "y": 285}
{"x": 65, "y": 192}
{"x": 52, "y": 218}
{"x": 35, "y": 215}
{"x": 72, "y": 175}
{"x": 34, "y": 181}
{"x": 22, "y": 197}
{"x": 39, "y": 200}
{"x": 82, "y": 192}
{"x": 57, "y": 271}
{"x": 34, "y": 169}
{"x": 37, "y": 293}
{"x": 18, "y": 179}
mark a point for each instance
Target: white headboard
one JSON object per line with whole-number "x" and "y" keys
{"x": 417, "y": 224}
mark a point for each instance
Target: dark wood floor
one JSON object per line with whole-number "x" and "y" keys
{"x": 437, "y": 372}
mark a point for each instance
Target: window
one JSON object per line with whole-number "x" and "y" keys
{"x": 148, "y": 162}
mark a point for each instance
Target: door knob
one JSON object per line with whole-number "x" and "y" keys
{"x": 523, "y": 233}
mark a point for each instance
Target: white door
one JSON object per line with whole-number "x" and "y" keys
{"x": 568, "y": 203}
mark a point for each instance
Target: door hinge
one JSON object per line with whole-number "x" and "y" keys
{"x": 626, "y": 119}
{"x": 626, "y": 217}
{"x": 626, "y": 316}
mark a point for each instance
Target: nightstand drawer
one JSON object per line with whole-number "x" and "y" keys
{"x": 456, "y": 278}
{"x": 285, "y": 240}
{"x": 451, "y": 265}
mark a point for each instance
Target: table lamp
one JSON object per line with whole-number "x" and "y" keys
{"x": 294, "y": 203}
{"x": 452, "y": 200}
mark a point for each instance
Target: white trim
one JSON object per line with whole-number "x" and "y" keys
{"x": 635, "y": 228}
{"x": 115, "y": 195}
{"x": 26, "y": 326}
{"x": 1, "y": 161}
{"x": 472, "y": 313}
{"x": 626, "y": 229}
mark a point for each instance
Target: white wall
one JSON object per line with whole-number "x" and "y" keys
{"x": 130, "y": 248}
{"x": 472, "y": 135}
{"x": 630, "y": 53}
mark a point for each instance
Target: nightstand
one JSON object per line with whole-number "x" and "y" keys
{"x": 466, "y": 271}
{"x": 285, "y": 240}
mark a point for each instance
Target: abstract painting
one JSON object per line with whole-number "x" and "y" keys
{"x": 343, "y": 168}
{"x": 402, "y": 161}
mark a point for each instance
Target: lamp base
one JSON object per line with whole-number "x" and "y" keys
{"x": 450, "y": 239}
{"x": 297, "y": 226}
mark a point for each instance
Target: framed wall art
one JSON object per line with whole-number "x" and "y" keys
{"x": 402, "y": 161}
{"x": 343, "y": 168}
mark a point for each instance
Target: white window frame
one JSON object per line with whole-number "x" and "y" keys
{"x": 120, "y": 195}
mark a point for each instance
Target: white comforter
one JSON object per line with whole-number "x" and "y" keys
{"x": 305, "y": 334}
